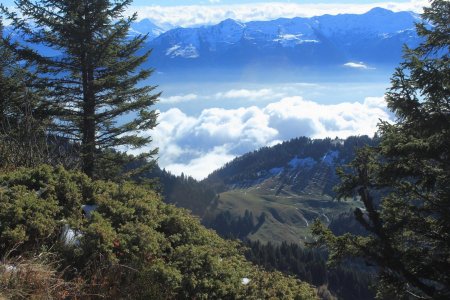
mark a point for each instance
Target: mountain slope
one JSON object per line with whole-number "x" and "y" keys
{"x": 275, "y": 193}
{"x": 146, "y": 26}
{"x": 375, "y": 38}
{"x": 370, "y": 41}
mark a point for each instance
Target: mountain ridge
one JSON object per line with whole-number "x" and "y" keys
{"x": 367, "y": 42}
{"x": 275, "y": 192}
{"x": 375, "y": 38}
{"x": 283, "y": 188}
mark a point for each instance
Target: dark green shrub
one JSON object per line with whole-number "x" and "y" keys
{"x": 131, "y": 245}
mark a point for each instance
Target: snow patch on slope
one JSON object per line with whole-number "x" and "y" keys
{"x": 276, "y": 171}
{"x": 290, "y": 40}
{"x": 188, "y": 51}
{"x": 307, "y": 162}
{"x": 330, "y": 157}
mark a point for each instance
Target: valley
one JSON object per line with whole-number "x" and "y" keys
{"x": 272, "y": 194}
{"x": 287, "y": 215}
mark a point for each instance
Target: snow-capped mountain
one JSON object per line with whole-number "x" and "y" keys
{"x": 146, "y": 26}
{"x": 374, "y": 38}
{"x": 369, "y": 41}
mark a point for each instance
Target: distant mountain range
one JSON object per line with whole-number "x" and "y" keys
{"x": 367, "y": 41}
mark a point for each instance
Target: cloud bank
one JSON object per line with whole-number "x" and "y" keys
{"x": 246, "y": 94}
{"x": 196, "y": 15}
{"x": 197, "y": 145}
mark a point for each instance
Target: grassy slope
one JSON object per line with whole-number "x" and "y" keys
{"x": 301, "y": 192}
{"x": 288, "y": 213}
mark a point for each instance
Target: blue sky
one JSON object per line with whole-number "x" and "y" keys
{"x": 200, "y": 2}
{"x": 226, "y": 2}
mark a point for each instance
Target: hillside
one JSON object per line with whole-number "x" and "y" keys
{"x": 288, "y": 160}
{"x": 275, "y": 193}
{"x": 272, "y": 194}
{"x": 270, "y": 197}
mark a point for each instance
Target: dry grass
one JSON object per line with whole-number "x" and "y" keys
{"x": 35, "y": 277}
{"x": 39, "y": 277}
{"x": 324, "y": 293}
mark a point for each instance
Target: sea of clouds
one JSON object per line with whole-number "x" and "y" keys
{"x": 198, "y": 144}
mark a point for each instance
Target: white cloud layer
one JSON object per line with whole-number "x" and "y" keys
{"x": 246, "y": 94}
{"x": 178, "y": 98}
{"x": 199, "y": 145}
{"x": 196, "y": 15}
{"x": 358, "y": 65}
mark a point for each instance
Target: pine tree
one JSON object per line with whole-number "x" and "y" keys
{"x": 92, "y": 71}
{"x": 404, "y": 183}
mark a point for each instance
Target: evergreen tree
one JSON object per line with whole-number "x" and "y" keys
{"x": 92, "y": 71}
{"x": 409, "y": 224}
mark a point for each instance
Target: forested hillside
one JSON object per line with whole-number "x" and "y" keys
{"x": 275, "y": 193}
{"x": 244, "y": 201}
{"x": 301, "y": 152}
{"x": 288, "y": 165}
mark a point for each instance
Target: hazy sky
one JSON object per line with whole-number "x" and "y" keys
{"x": 188, "y": 13}
{"x": 203, "y": 2}
{"x": 200, "y": 2}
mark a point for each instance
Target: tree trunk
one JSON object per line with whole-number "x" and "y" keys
{"x": 88, "y": 132}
